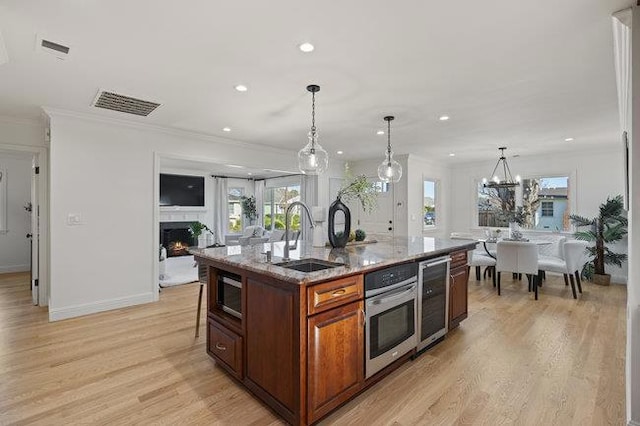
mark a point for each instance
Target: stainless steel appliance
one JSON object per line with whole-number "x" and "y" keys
{"x": 390, "y": 308}
{"x": 229, "y": 293}
{"x": 433, "y": 300}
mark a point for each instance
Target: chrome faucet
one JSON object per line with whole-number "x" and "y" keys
{"x": 285, "y": 257}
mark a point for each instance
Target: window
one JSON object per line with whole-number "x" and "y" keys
{"x": 546, "y": 207}
{"x": 539, "y": 203}
{"x": 235, "y": 209}
{"x": 276, "y": 201}
{"x": 429, "y": 204}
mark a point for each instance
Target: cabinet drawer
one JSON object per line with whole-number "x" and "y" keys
{"x": 225, "y": 346}
{"x": 459, "y": 258}
{"x": 321, "y": 297}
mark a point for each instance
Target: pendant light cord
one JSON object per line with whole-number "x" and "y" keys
{"x": 313, "y": 122}
{"x": 389, "y": 142}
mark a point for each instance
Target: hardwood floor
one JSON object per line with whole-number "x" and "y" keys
{"x": 556, "y": 361}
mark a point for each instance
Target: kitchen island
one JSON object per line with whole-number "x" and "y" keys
{"x": 296, "y": 339}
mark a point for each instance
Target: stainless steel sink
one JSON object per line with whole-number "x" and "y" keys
{"x": 309, "y": 265}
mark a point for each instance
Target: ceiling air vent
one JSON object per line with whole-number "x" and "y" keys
{"x": 122, "y": 103}
{"x": 59, "y": 49}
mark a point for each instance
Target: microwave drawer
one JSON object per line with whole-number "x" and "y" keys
{"x": 226, "y": 347}
{"x": 321, "y": 297}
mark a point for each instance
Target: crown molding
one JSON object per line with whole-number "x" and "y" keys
{"x": 21, "y": 121}
{"x": 53, "y": 112}
{"x": 624, "y": 16}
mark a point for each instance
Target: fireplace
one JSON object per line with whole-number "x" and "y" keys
{"x": 176, "y": 238}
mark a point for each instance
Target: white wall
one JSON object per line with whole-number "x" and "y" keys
{"x": 22, "y": 132}
{"x": 633, "y": 288}
{"x": 103, "y": 170}
{"x": 14, "y": 246}
{"x": 593, "y": 176}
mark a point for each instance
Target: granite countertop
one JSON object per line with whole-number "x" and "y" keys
{"x": 356, "y": 259}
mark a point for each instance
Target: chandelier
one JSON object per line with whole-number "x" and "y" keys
{"x": 313, "y": 159}
{"x": 389, "y": 170}
{"x": 507, "y": 181}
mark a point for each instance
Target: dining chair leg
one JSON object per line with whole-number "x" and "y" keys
{"x": 529, "y": 281}
{"x": 477, "y": 273}
{"x": 573, "y": 286}
{"x": 198, "y": 313}
{"x": 498, "y": 278}
{"x": 579, "y": 282}
{"x": 493, "y": 277}
{"x": 566, "y": 279}
{"x": 537, "y": 280}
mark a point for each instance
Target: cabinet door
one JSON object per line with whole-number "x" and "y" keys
{"x": 335, "y": 358}
{"x": 457, "y": 296}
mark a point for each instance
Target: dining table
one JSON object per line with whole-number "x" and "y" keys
{"x": 486, "y": 241}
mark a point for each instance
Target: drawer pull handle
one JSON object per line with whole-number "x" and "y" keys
{"x": 338, "y": 292}
{"x": 221, "y": 347}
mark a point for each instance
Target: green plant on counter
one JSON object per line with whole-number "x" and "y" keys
{"x": 360, "y": 235}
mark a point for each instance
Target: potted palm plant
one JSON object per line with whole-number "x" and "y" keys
{"x": 608, "y": 227}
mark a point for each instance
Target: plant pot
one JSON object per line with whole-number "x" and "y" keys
{"x": 602, "y": 279}
{"x": 335, "y": 240}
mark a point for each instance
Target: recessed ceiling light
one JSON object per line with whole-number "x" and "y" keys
{"x": 306, "y": 47}
{"x": 249, "y": 173}
{"x": 443, "y": 118}
{"x": 452, "y": 155}
{"x": 241, "y": 88}
{"x": 568, "y": 139}
{"x": 380, "y": 132}
{"x": 226, "y": 129}
{"x": 339, "y": 152}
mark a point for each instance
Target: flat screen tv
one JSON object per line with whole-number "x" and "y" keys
{"x": 181, "y": 190}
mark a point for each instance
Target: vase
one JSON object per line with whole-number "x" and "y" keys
{"x": 334, "y": 208}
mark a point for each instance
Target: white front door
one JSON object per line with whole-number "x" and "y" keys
{"x": 380, "y": 220}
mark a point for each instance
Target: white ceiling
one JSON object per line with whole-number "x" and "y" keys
{"x": 525, "y": 75}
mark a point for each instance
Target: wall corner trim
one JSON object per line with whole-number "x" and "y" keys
{"x": 57, "y": 314}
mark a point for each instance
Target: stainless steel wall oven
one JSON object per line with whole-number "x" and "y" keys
{"x": 390, "y": 308}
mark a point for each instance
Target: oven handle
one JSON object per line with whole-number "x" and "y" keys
{"x": 392, "y": 296}
{"x": 437, "y": 262}
{"x": 371, "y": 293}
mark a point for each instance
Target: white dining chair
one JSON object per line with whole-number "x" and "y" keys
{"x": 477, "y": 260}
{"x": 570, "y": 265}
{"x": 518, "y": 257}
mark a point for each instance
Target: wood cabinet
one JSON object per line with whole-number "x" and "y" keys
{"x": 299, "y": 347}
{"x": 225, "y": 346}
{"x": 459, "y": 277}
{"x": 335, "y": 354}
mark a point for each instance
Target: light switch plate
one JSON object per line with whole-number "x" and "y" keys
{"x": 74, "y": 219}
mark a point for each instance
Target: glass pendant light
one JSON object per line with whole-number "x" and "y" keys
{"x": 313, "y": 159}
{"x": 390, "y": 170}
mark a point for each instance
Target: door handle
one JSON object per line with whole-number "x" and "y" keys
{"x": 29, "y": 235}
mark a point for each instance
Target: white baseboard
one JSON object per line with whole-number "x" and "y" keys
{"x": 56, "y": 314}
{"x": 14, "y": 268}
{"x": 633, "y": 423}
{"x": 619, "y": 279}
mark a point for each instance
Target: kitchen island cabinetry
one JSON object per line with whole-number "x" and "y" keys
{"x": 297, "y": 340}
{"x": 458, "y": 279}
